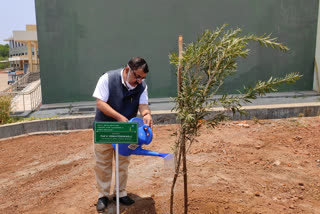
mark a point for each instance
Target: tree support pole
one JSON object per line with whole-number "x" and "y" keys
{"x": 179, "y": 67}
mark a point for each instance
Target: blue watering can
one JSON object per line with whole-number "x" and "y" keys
{"x": 144, "y": 138}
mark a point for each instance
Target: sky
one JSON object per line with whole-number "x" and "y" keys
{"x": 15, "y": 15}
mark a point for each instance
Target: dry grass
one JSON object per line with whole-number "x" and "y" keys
{"x": 5, "y": 108}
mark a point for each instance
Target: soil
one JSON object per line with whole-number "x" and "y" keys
{"x": 266, "y": 166}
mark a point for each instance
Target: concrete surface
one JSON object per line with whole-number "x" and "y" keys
{"x": 165, "y": 104}
{"x": 3, "y": 80}
{"x": 80, "y": 115}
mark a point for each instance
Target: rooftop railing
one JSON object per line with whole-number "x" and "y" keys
{"x": 28, "y": 100}
{"x": 22, "y": 81}
{"x": 26, "y": 95}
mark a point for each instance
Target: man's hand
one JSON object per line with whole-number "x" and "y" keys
{"x": 147, "y": 119}
{"x": 122, "y": 118}
{"x": 109, "y": 111}
{"x": 146, "y": 115}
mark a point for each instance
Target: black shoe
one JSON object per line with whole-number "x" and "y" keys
{"x": 126, "y": 200}
{"x": 102, "y": 204}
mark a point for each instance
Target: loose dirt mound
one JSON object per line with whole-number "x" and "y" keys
{"x": 270, "y": 166}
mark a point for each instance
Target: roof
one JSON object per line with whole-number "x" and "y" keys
{"x": 22, "y": 36}
{"x": 9, "y": 39}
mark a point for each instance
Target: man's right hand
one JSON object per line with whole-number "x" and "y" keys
{"x": 122, "y": 119}
{"x": 109, "y": 111}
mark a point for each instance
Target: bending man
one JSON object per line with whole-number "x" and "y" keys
{"x": 120, "y": 94}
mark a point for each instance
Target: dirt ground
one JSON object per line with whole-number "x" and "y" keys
{"x": 266, "y": 166}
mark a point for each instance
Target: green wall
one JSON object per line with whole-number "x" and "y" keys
{"x": 79, "y": 40}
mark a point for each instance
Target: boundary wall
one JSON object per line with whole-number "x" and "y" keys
{"x": 160, "y": 117}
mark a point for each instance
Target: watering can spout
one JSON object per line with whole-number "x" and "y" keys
{"x": 140, "y": 151}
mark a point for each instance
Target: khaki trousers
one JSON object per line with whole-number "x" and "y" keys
{"x": 104, "y": 154}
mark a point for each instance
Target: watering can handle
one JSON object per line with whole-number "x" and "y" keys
{"x": 149, "y": 133}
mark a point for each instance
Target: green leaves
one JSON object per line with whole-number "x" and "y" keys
{"x": 205, "y": 64}
{"x": 268, "y": 42}
{"x": 4, "y": 51}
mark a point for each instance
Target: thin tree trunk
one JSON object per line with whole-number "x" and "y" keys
{"x": 177, "y": 167}
{"x": 185, "y": 175}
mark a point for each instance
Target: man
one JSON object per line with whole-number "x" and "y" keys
{"x": 120, "y": 94}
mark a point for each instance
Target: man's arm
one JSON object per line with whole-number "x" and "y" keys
{"x": 109, "y": 111}
{"x": 146, "y": 114}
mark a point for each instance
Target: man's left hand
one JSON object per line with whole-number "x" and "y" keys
{"x": 147, "y": 119}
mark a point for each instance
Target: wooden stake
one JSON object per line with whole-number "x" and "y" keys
{"x": 179, "y": 67}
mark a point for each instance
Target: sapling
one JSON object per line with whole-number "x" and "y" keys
{"x": 204, "y": 66}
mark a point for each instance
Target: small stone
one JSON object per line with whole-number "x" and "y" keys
{"x": 291, "y": 206}
{"x": 276, "y": 163}
{"x": 243, "y": 125}
{"x": 257, "y": 194}
{"x": 301, "y": 184}
{"x": 297, "y": 138}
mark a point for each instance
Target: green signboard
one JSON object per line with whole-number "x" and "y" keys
{"x": 116, "y": 133}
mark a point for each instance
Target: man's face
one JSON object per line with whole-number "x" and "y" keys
{"x": 135, "y": 76}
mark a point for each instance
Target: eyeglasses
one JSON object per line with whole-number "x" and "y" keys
{"x": 137, "y": 76}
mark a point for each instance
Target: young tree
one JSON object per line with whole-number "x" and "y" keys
{"x": 4, "y": 50}
{"x": 4, "y": 55}
{"x": 204, "y": 66}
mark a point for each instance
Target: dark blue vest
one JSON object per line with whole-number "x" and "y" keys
{"x": 120, "y": 98}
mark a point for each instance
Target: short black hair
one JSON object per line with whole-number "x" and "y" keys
{"x": 138, "y": 62}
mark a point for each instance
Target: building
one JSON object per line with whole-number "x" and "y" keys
{"x": 23, "y": 49}
{"x": 79, "y": 40}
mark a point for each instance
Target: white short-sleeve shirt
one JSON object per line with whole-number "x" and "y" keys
{"x": 102, "y": 89}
